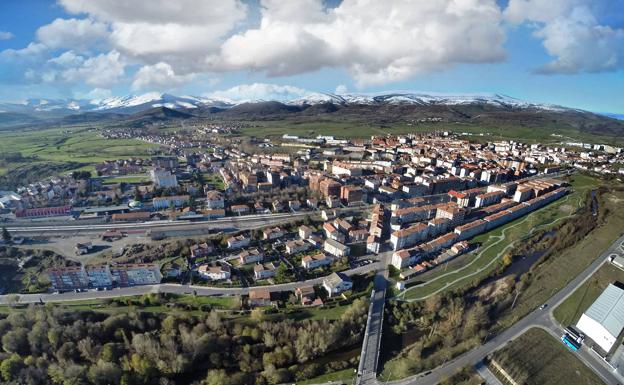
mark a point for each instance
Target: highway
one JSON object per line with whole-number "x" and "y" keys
{"x": 537, "y": 318}
{"x": 174, "y": 289}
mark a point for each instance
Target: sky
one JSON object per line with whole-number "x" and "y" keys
{"x": 566, "y": 52}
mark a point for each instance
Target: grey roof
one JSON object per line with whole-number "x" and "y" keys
{"x": 608, "y": 310}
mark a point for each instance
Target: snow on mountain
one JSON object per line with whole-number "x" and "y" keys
{"x": 137, "y": 103}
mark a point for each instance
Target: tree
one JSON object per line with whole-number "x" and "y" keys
{"x": 10, "y": 367}
{"x": 6, "y": 236}
{"x": 281, "y": 273}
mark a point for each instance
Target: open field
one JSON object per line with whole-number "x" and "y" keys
{"x": 75, "y": 144}
{"x": 497, "y": 242}
{"x": 570, "y": 310}
{"x": 344, "y": 376}
{"x": 360, "y": 128}
{"x": 536, "y": 358}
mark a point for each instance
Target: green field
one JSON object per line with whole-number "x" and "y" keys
{"x": 73, "y": 144}
{"x": 359, "y": 128}
{"x": 498, "y": 242}
{"x": 344, "y": 376}
{"x": 555, "y": 364}
{"x": 570, "y": 310}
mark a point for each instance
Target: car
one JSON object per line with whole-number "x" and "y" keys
{"x": 544, "y": 306}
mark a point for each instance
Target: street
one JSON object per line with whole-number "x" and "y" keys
{"x": 537, "y": 318}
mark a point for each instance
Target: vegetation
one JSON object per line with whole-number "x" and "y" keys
{"x": 50, "y": 345}
{"x": 556, "y": 365}
{"x": 421, "y": 333}
{"x": 23, "y": 271}
{"x": 436, "y": 330}
{"x": 570, "y": 310}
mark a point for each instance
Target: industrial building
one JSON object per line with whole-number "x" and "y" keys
{"x": 604, "y": 319}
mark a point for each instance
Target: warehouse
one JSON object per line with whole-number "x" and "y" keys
{"x": 604, "y": 319}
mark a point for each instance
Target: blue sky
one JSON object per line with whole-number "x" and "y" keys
{"x": 567, "y": 52}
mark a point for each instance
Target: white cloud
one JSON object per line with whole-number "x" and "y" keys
{"x": 94, "y": 94}
{"x": 341, "y": 89}
{"x": 158, "y": 76}
{"x": 181, "y": 33}
{"x": 4, "y": 35}
{"x": 572, "y": 34}
{"x": 77, "y": 34}
{"x": 259, "y": 91}
{"x": 67, "y": 59}
{"x": 377, "y": 42}
{"x": 98, "y": 71}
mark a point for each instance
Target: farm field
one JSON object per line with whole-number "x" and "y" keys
{"x": 556, "y": 365}
{"x": 64, "y": 145}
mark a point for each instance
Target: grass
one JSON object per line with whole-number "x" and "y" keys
{"x": 349, "y": 127}
{"x": 104, "y": 305}
{"x": 496, "y": 243}
{"x": 556, "y": 271}
{"x": 130, "y": 179}
{"x": 556, "y": 365}
{"x": 345, "y": 376}
{"x": 570, "y": 310}
{"x": 74, "y": 144}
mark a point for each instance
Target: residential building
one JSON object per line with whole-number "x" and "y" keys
{"x": 214, "y": 273}
{"x": 264, "y": 271}
{"x": 134, "y": 274}
{"x": 238, "y": 241}
{"x": 163, "y": 178}
{"x": 336, "y": 248}
{"x": 337, "y": 283}
{"x": 316, "y": 260}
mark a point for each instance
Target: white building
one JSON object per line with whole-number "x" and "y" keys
{"x": 336, "y": 248}
{"x": 214, "y": 273}
{"x": 163, "y": 178}
{"x": 603, "y": 321}
{"x": 337, "y": 283}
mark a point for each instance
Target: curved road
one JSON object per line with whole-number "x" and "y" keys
{"x": 537, "y": 318}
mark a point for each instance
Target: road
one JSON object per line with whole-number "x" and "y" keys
{"x": 175, "y": 289}
{"x": 369, "y": 356}
{"x": 537, "y": 318}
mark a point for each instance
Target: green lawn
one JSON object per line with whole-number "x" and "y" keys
{"x": 536, "y": 358}
{"x": 570, "y": 310}
{"x": 130, "y": 179}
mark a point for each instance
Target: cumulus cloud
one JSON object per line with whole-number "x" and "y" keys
{"x": 178, "y": 32}
{"x": 377, "y": 42}
{"x": 259, "y": 91}
{"x": 94, "y": 94}
{"x": 98, "y": 71}
{"x": 77, "y": 34}
{"x": 4, "y": 35}
{"x": 572, "y": 34}
{"x": 158, "y": 76}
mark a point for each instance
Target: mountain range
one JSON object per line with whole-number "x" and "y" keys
{"x": 488, "y": 110}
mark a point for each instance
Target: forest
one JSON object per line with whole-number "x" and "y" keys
{"x": 49, "y": 345}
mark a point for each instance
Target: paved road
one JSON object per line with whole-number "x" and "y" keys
{"x": 175, "y": 289}
{"x": 487, "y": 375}
{"x": 537, "y": 318}
{"x": 369, "y": 356}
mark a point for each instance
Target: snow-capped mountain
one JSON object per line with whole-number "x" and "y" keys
{"x": 136, "y": 103}
{"x": 420, "y": 98}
